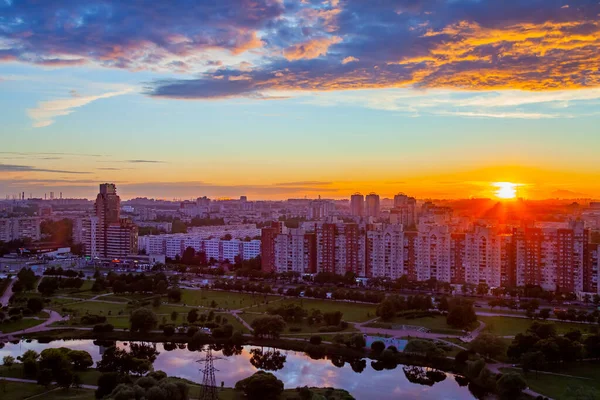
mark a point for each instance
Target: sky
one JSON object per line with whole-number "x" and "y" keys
{"x": 277, "y": 99}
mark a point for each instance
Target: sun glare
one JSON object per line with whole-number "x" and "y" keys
{"x": 505, "y": 190}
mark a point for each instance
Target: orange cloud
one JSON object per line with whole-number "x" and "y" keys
{"x": 310, "y": 49}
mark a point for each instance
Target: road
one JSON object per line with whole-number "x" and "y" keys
{"x": 7, "y": 293}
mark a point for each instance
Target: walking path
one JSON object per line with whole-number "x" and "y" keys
{"x": 54, "y": 317}
{"x": 7, "y": 293}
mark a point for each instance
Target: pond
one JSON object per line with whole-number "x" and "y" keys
{"x": 298, "y": 369}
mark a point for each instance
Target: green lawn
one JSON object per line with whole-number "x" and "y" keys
{"x": 507, "y": 326}
{"x": 19, "y": 391}
{"x": 88, "y": 377}
{"x": 436, "y": 323}
{"x": 305, "y": 328}
{"x": 227, "y": 300}
{"x": 70, "y": 394}
{"x": 8, "y": 327}
{"x": 84, "y": 292}
{"x": 562, "y": 387}
{"x": 353, "y": 312}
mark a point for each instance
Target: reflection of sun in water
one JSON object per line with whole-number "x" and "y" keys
{"x": 505, "y": 190}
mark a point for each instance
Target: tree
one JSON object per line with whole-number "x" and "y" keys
{"x": 8, "y": 361}
{"x": 35, "y": 304}
{"x": 488, "y": 345}
{"x": 377, "y": 346}
{"x": 424, "y": 347}
{"x": 511, "y": 385}
{"x": 386, "y": 309}
{"x": 533, "y": 360}
{"x": 333, "y": 318}
{"x": 461, "y": 315}
{"x": 174, "y": 316}
{"x": 192, "y": 316}
{"x": 169, "y": 330}
{"x": 106, "y": 384}
{"x": 174, "y": 295}
{"x": 315, "y": 340}
{"x": 544, "y": 313}
{"x": 143, "y": 320}
{"x": 44, "y": 378}
{"x": 80, "y": 359}
{"x": 268, "y": 326}
{"x": 261, "y": 385}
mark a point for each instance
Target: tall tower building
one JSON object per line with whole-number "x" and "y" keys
{"x": 357, "y": 205}
{"x": 115, "y": 237}
{"x": 372, "y": 207}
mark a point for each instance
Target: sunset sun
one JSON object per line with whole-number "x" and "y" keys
{"x": 505, "y": 190}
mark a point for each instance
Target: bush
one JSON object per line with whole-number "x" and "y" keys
{"x": 100, "y": 328}
{"x": 191, "y": 331}
{"x": 169, "y": 330}
{"x": 295, "y": 329}
{"x": 92, "y": 319}
{"x": 377, "y": 346}
{"x": 316, "y": 340}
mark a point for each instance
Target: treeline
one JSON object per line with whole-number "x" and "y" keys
{"x": 243, "y": 286}
{"x": 49, "y": 285}
{"x": 130, "y": 283}
{"x": 63, "y": 272}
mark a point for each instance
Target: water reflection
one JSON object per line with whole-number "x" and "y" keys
{"x": 293, "y": 368}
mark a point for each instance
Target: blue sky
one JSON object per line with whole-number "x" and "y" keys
{"x": 278, "y": 99}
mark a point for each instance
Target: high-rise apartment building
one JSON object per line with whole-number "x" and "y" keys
{"x": 372, "y": 206}
{"x": 404, "y": 211}
{"x": 556, "y": 258}
{"x": 385, "y": 252}
{"x": 20, "y": 228}
{"x": 357, "y": 205}
{"x": 319, "y": 209}
{"x": 113, "y": 236}
{"x": 340, "y": 248}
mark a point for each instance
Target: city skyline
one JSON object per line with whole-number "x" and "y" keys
{"x": 277, "y": 99}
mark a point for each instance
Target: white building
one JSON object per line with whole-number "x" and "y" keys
{"x": 20, "y": 228}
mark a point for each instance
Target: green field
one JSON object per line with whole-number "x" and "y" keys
{"x": 70, "y": 394}
{"x": 436, "y": 323}
{"x": 19, "y": 391}
{"x": 305, "y": 328}
{"x": 226, "y": 300}
{"x": 84, "y": 292}
{"x": 353, "y": 312}
{"x": 8, "y": 327}
{"x": 88, "y": 377}
{"x": 564, "y": 387}
{"x": 507, "y": 326}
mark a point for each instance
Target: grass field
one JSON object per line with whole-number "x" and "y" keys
{"x": 19, "y": 391}
{"x": 305, "y": 328}
{"x": 507, "y": 326}
{"x": 226, "y": 300}
{"x": 563, "y": 387}
{"x": 88, "y": 377}
{"x": 8, "y": 327}
{"x": 436, "y": 323}
{"x": 353, "y": 312}
{"x": 70, "y": 394}
{"x": 84, "y": 292}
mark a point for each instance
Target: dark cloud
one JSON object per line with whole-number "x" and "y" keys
{"x": 304, "y": 183}
{"x": 109, "y": 169}
{"x": 27, "y": 168}
{"x": 308, "y": 45}
{"x": 145, "y": 161}
{"x": 129, "y": 34}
